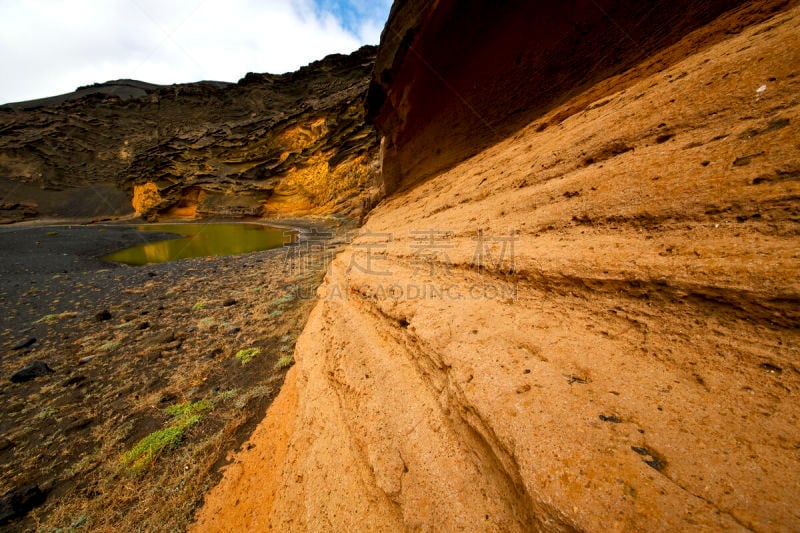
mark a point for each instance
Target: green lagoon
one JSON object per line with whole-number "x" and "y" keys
{"x": 201, "y": 240}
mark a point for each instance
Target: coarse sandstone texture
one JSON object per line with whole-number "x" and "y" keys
{"x": 269, "y": 145}
{"x": 631, "y": 366}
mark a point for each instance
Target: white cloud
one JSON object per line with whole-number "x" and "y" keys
{"x": 370, "y": 31}
{"x": 49, "y": 47}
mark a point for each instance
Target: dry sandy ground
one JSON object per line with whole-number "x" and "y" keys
{"x": 634, "y": 368}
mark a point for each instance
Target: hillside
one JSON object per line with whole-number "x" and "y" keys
{"x": 269, "y": 145}
{"x": 590, "y": 323}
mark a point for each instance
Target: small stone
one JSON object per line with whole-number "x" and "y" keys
{"x": 229, "y": 302}
{"x": 84, "y": 360}
{"x": 656, "y": 463}
{"x": 143, "y": 325}
{"x": 24, "y": 344}
{"x": 105, "y": 314}
{"x": 234, "y": 330}
{"x": 34, "y": 370}
{"x": 18, "y": 502}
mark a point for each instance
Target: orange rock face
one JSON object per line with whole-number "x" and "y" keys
{"x": 590, "y": 325}
{"x": 145, "y": 197}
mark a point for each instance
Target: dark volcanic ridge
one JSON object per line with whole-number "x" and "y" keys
{"x": 267, "y": 145}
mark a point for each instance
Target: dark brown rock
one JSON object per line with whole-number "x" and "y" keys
{"x": 32, "y": 371}
{"x": 19, "y": 502}
{"x": 24, "y": 344}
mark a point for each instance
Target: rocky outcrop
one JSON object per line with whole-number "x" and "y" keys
{"x": 590, "y": 325}
{"x": 453, "y": 78}
{"x": 265, "y": 146}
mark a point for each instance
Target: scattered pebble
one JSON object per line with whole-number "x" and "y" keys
{"x": 24, "y": 344}
{"x": 31, "y": 371}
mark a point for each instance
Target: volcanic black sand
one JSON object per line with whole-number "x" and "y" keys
{"x": 125, "y": 344}
{"x": 43, "y": 260}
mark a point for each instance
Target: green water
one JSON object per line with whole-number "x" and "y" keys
{"x": 200, "y": 240}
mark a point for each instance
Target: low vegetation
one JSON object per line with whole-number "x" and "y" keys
{"x": 183, "y": 416}
{"x": 246, "y": 355}
{"x": 285, "y": 361}
{"x": 150, "y": 447}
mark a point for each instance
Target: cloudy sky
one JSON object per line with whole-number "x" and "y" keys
{"x": 49, "y": 47}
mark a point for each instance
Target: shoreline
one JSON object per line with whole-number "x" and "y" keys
{"x": 302, "y": 225}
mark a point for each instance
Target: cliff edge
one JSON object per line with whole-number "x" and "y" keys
{"x": 589, "y": 324}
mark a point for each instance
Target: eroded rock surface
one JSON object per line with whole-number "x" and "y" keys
{"x": 268, "y": 145}
{"x": 452, "y": 78}
{"x": 630, "y": 366}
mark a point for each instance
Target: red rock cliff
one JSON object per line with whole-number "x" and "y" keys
{"x": 454, "y": 77}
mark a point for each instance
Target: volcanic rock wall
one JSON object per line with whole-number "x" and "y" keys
{"x": 267, "y": 145}
{"x": 454, "y": 77}
{"x": 590, "y": 326}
